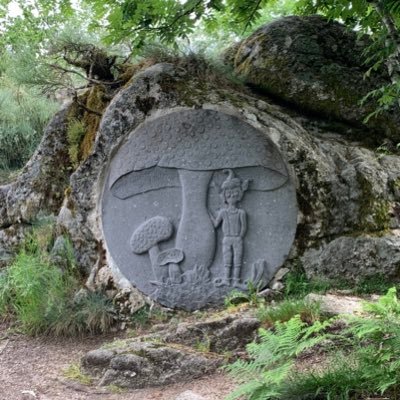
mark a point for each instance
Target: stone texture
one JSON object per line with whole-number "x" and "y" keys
{"x": 351, "y": 259}
{"x": 169, "y": 187}
{"x": 40, "y": 186}
{"x": 316, "y": 65}
{"x": 79, "y": 213}
{"x": 224, "y": 334}
{"x": 39, "y": 189}
{"x": 345, "y": 191}
{"x": 173, "y": 354}
{"x": 143, "y": 364}
{"x": 336, "y": 305}
{"x": 343, "y": 187}
{"x": 189, "y": 395}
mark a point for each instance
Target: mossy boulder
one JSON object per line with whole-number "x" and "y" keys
{"x": 316, "y": 65}
{"x": 354, "y": 259}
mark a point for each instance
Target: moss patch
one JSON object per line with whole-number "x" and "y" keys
{"x": 75, "y": 133}
{"x": 83, "y": 122}
{"x": 95, "y": 101}
{"x": 374, "y": 212}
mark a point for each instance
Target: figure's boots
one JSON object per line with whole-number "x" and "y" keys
{"x": 236, "y": 276}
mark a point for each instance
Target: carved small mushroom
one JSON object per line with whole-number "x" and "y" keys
{"x": 171, "y": 258}
{"x": 147, "y": 237}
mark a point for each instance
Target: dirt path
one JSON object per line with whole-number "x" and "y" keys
{"x": 34, "y": 368}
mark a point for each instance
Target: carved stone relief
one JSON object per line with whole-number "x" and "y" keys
{"x": 196, "y": 203}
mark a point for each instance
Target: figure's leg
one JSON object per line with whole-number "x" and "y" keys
{"x": 237, "y": 260}
{"x": 227, "y": 255}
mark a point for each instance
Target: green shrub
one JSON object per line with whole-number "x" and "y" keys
{"x": 267, "y": 375}
{"x": 24, "y": 114}
{"x": 286, "y": 310}
{"x": 236, "y": 296}
{"x": 92, "y": 313}
{"x": 361, "y": 358}
{"x": 34, "y": 291}
{"x": 41, "y": 297}
{"x": 297, "y": 285}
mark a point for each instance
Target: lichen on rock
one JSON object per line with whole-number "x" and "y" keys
{"x": 348, "y": 197}
{"x": 316, "y": 65}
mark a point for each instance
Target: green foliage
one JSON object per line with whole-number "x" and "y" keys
{"x": 41, "y": 297}
{"x": 335, "y": 383}
{"x": 168, "y": 20}
{"x": 75, "y": 134}
{"x": 273, "y": 358}
{"x": 251, "y": 296}
{"x": 23, "y": 116}
{"x": 286, "y": 310}
{"x": 34, "y": 291}
{"x": 360, "y": 357}
{"x": 74, "y": 373}
{"x": 380, "y": 20}
{"x": 297, "y": 285}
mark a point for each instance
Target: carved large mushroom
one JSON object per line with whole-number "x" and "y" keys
{"x": 183, "y": 149}
{"x": 147, "y": 237}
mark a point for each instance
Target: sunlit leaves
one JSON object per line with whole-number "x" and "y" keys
{"x": 167, "y": 20}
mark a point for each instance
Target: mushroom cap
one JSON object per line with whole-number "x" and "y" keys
{"x": 196, "y": 140}
{"x": 150, "y": 233}
{"x": 136, "y": 182}
{"x": 170, "y": 256}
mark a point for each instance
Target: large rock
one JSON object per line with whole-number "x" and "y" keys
{"x": 343, "y": 187}
{"x": 316, "y": 65}
{"x": 39, "y": 189}
{"x": 348, "y": 197}
{"x": 355, "y": 258}
{"x": 144, "y": 364}
{"x": 172, "y": 354}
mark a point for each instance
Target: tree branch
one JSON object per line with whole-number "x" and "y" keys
{"x": 256, "y": 7}
{"x": 91, "y": 80}
{"x": 89, "y": 110}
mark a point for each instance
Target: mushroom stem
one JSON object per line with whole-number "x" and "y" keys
{"x": 153, "y": 254}
{"x": 195, "y": 234}
{"x": 175, "y": 274}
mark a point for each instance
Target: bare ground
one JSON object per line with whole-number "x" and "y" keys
{"x": 34, "y": 368}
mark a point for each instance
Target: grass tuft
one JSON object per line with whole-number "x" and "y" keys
{"x": 73, "y": 372}
{"x": 286, "y": 310}
{"x": 42, "y": 297}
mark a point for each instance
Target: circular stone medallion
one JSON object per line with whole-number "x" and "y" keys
{"x": 197, "y": 203}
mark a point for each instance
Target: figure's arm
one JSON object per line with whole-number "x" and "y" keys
{"x": 243, "y": 223}
{"x": 216, "y": 221}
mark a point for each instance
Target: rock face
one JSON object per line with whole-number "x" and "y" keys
{"x": 148, "y": 364}
{"x": 316, "y": 65}
{"x": 171, "y": 355}
{"x": 39, "y": 189}
{"x": 348, "y": 196}
{"x": 344, "y": 189}
{"x": 332, "y": 304}
{"x": 346, "y": 257}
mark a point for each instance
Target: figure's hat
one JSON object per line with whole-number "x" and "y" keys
{"x": 231, "y": 181}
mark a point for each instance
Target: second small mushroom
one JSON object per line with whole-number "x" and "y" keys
{"x": 171, "y": 258}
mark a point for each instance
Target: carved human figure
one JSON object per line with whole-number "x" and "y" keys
{"x": 234, "y": 226}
